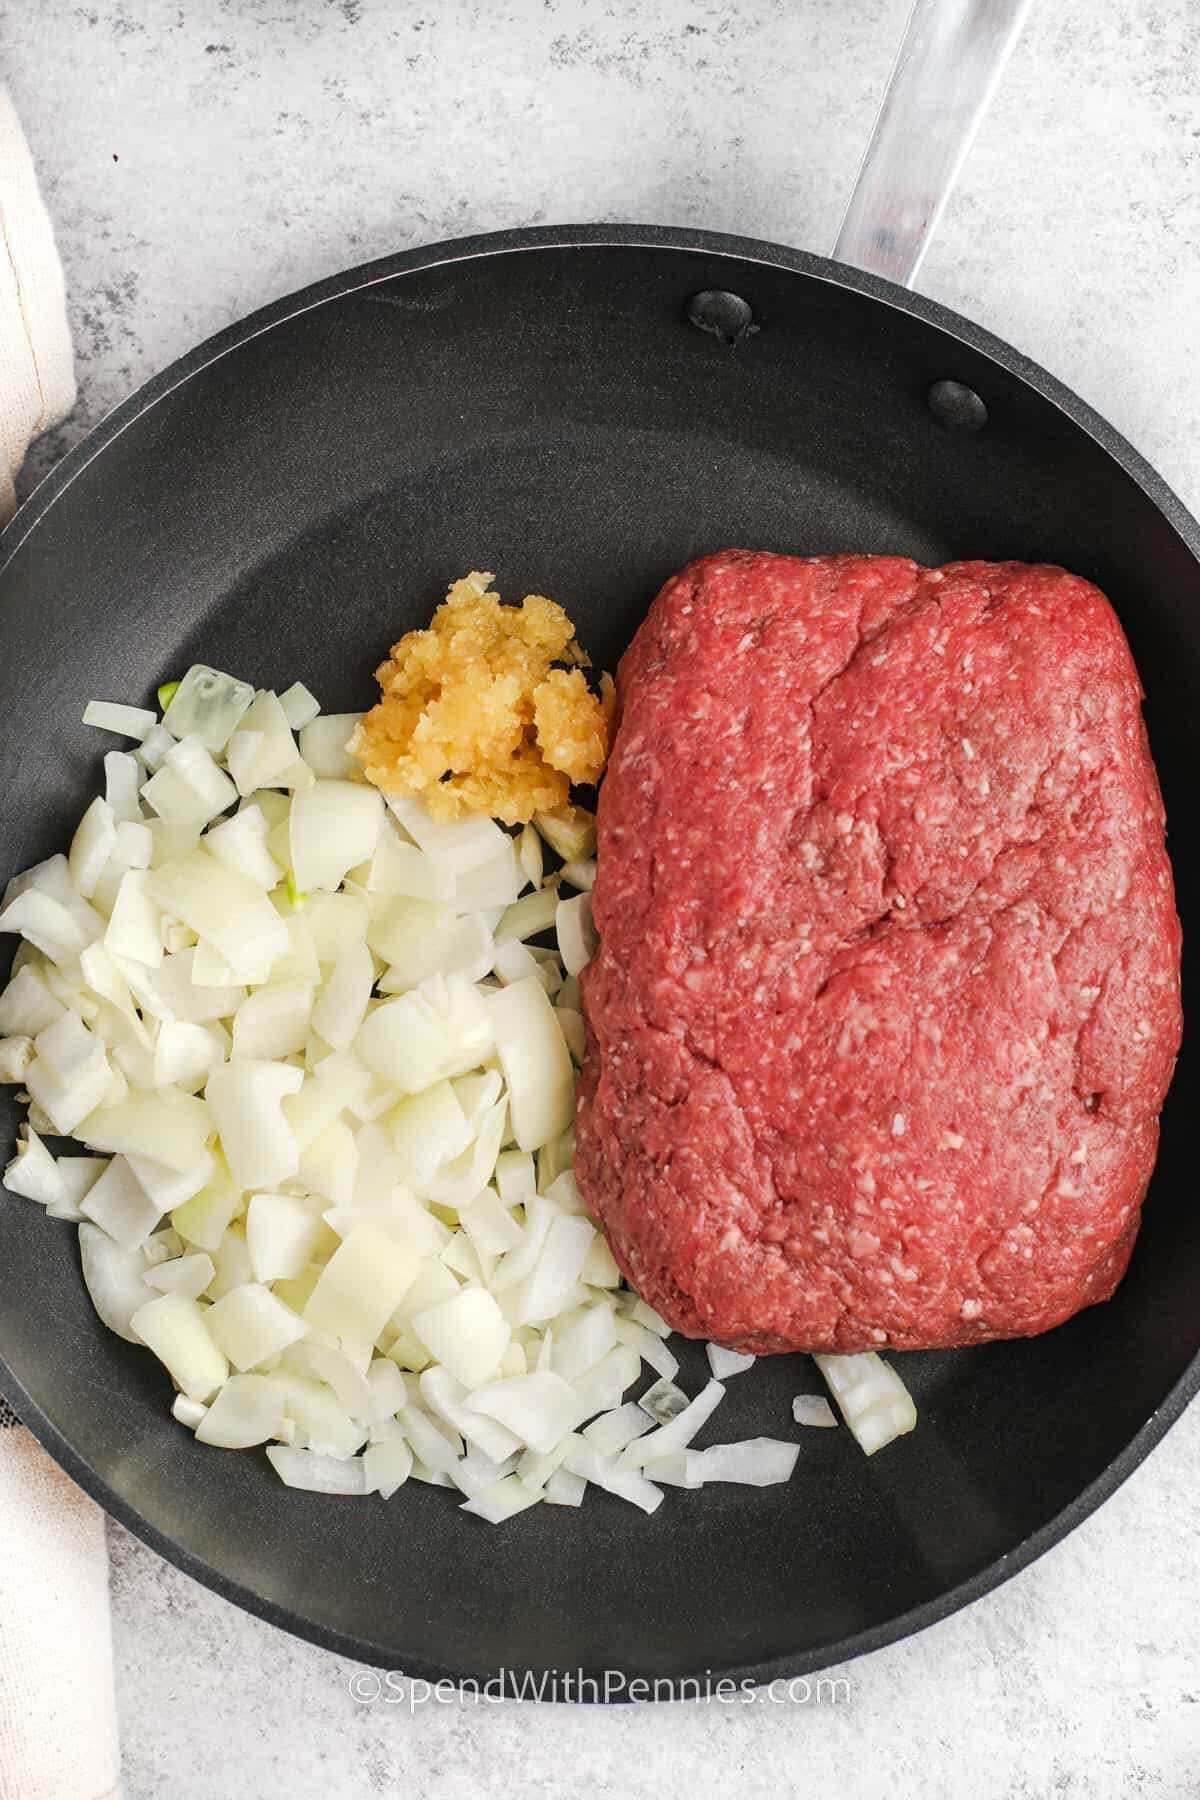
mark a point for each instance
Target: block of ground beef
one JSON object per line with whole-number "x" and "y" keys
{"x": 887, "y": 998}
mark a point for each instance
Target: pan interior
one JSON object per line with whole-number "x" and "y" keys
{"x": 550, "y": 415}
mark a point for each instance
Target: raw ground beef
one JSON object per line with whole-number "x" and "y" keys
{"x": 887, "y": 998}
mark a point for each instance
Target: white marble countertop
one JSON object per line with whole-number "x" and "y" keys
{"x": 199, "y": 160}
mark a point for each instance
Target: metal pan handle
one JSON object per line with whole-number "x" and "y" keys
{"x": 948, "y": 67}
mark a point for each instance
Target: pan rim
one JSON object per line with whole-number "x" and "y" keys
{"x": 607, "y": 236}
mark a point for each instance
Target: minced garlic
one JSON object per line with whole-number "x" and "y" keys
{"x": 476, "y": 718}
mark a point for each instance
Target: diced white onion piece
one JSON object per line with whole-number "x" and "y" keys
{"x": 224, "y": 908}
{"x": 458, "y": 1181}
{"x": 467, "y": 1334}
{"x": 181, "y": 996}
{"x": 387, "y": 1466}
{"x": 564, "y": 1488}
{"x": 513, "y": 961}
{"x": 584, "y": 1460}
{"x": 399, "y": 870}
{"x": 272, "y": 1022}
{"x": 674, "y": 1470}
{"x": 446, "y": 1396}
{"x": 599, "y": 1268}
{"x": 664, "y": 1401}
{"x": 176, "y": 1329}
{"x": 126, "y": 721}
{"x": 167, "y": 1187}
{"x": 115, "y": 1280}
{"x": 590, "y": 1336}
{"x": 321, "y": 1421}
{"x": 69, "y": 1103}
{"x": 432, "y": 1284}
{"x": 135, "y": 922}
{"x": 94, "y": 841}
{"x": 183, "y": 1055}
{"x": 520, "y": 1262}
{"x": 188, "y": 1275}
{"x": 315, "y": 1473}
{"x": 207, "y": 704}
{"x": 332, "y": 827}
{"x": 871, "y": 1397}
{"x": 241, "y": 844}
{"x": 725, "y": 1363}
{"x": 388, "y": 1390}
{"x": 336, "y": 1370}
{"x": 261, "y": 748}
{"x": 122, "y": 781}
{"x": 232, "y": 1261}
{"x": 580, "y": 874}
{"x": 168, "y": 1127}
{"x": 362, "y": 1284}
{"x": 516, "y": 1177}
{"x": 27, "y": 1006}
{"x": 32, "y": 1172}
{"x": 545, "y": 1291}
{"x": 813, "y": 1409}
{"x": 341, "y": 1005}
{"x": 611, "y": 1431}
{"x": 283, "y": 1233}
{"x": 188, "y": 1412}
{"x": 528, "y": 917}
{"x": 436, "y": 1448}
{"x": 503, "y": 1500}
{"x": 460, "y": 844}
{"x": 754, "y": 1462}
{"x": 190, "y": 763}
{"x": 410, "y": 1221}
{"x": 247, "y": 1410}
{"x": 251, "y": 1325}
{"x": 529, "y": 850}
{"x": 577, "y": 939}
{"x": 68, "y": 1047}
{"x": 300, "y": 707}
{"x": 489, "y": 1224}
{"x": 538, "y": 1409}
{"x": 78, "y": 1175}
{"x": 602, "y": 1387}
{"x": 440, "y": 1029}
{"x": 473, "y": 1472}
{"x": 323, "y": 745}
{"x": 535, "y": 1062}
{"x": 678, "y": 1434}
{"x": 454, "y": 946}
{"x": 490, "y": 886}
{"x": 649, "y": 1347}
{"x": 204, "y": 1219}
{"x": 245, "y": 1099}
{"x": 572, "y": 1027}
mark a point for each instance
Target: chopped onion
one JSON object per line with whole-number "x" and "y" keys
{"x": 570, "y": 831}
{"x": 538, "y": 1409}
{"x": 564, "y": 1488}
{"x": 871, "y": 1397}
{"x": 467, "y": 1334}
{"x": 362, "y": 1284}
{"x": 813, "y": 1409}
{"x": 126, "y": 721}
{"x": 503, "y": 1500}
{"x": 535, "y": 1062}
{"x": 188, "y": 1275}
{"x": 584, "y": 1460}
{"x": 299, "y": 706}
{"x": 577, "y": 939}
{"x": 207, "y": 704}
{"x": 611, "y": 1431}
{"x": 725, "y": 1363}
{"x": 387, "y": 1466}
{"x": 526, "y": 918}
{"x": 323, "y": 745}
{"x": 459, "y": 844}
{"x": 316, "y": 1473}
{"x": 245, "y": 1099}
{"x": 333, "y": 826}
{"x": 441, "y": 1028}
{"x": 251, "y": 1325}
{"x": 664, "y": 1402}
{"x": 176, "y": 1329}
{"x": 754, "y": 1462}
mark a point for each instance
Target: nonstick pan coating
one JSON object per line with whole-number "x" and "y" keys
{"x": 283, "y": 503}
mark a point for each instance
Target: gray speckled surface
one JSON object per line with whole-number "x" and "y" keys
{"x": 201, "y": 160}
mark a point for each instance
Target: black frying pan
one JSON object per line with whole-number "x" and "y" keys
{"x": 282, "y": 503}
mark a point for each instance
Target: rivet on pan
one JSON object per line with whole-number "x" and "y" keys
{"x": 956, "y": 406}
{"x": 726, "y": 316}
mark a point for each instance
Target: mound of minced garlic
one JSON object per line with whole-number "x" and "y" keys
{"x": 487, "y": 711}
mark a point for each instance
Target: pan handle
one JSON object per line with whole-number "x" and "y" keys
{"x": 948, "y": 67}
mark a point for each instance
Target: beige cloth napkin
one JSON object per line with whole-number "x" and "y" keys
{"x": 58, "y": 1733}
